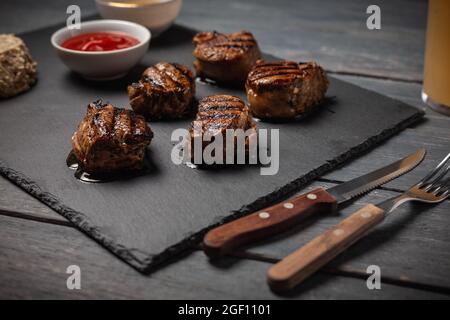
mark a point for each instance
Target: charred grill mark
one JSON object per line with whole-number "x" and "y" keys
{"x": 243, "y": 42}
{"x": 132, "y": 128}
{"x": 218, "y": 115}
{"x": 220, "y": 109}
{"x": 225, "y": 108}
{"x": 220, "y": 98}
{"x": 258, "y": 69}
{"x": 211, "y": 41}
{"x": 221, "y": 105}
{"x": 183, "y": 71}
{"x": 152, "y": 82}
{"x": 117, "y": 125}
{"x": 232, "y": 43}
{"x": 137, "y": 85}
{"x": 275, "y": 69}
{"x": 275, "y": 73}
{"x": 171, "y": 76}
{"x": 221, "y": 112}
{"x": 141, "y": 129}
{"x": 120, "y": 124}
{"x": 233, "y": 46}
{"x": 165, "y": 75}
{"x": 242, "y": 38}
{"x": 179, "y": 67}
{"x": 103, "y": 118}
{"x": 98, "y": 104}
{"x": 276, "y": 64}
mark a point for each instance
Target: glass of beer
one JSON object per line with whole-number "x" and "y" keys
{"x": 436, "y": 82}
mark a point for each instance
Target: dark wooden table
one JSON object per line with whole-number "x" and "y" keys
{"x": 412, "y": 247}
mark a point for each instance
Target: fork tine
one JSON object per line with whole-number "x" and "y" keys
{"x": 445, "y": 193}
{"x": 436, "y": 180}
{"x": 446, "y": 187}
{"x": 442, "y": 188}
{"x": 432, "y": 173}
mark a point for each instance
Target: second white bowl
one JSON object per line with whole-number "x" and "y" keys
{"x": 157, "y": 15}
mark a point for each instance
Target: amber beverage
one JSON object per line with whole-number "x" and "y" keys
{"x": 436, "y": 85}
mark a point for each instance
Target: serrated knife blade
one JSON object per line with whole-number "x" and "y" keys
{"x": 358, "y": 186}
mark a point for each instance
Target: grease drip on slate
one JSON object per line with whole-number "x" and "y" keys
{"x": 211, "y": 82}
{"x": 80, "y": 174}
{"x": 206, "y": 81}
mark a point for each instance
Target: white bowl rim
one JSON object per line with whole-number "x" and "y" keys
{"x": 147, "y": 38}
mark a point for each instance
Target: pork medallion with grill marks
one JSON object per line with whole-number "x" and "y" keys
{"x": 285, "y": 89}
{"x": 215, "y": 115}
{"x": 165, "y": 91}
{"x": 110, "y": 139}
{"x": 225, "y": 58}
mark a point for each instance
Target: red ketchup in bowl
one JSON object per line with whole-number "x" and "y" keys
{"x": 100, "y": 41}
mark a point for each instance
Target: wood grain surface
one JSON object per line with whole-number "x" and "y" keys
{"x": 35, "y": 257}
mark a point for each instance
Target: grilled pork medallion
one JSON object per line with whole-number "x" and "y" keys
{"x": 225, "y": 58}
{"x": 165, "y": 91}
{"x": 285, "y": 89}
{"x": 218, "y": 113}
{"x": 110, "y": 139}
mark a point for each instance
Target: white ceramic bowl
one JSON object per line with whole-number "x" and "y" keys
{"x": 157, "y": 15}
{"x": 102, "y": 65}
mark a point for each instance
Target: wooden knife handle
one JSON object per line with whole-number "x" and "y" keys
{"x": 268, "y": 221}
{"x": 299, "y": 265}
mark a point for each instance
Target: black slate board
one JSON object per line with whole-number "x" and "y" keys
{"x": 150, "y": 219}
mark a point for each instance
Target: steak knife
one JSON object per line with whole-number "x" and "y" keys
{"x": 281, "y": 216}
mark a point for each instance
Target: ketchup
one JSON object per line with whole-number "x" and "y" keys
{"x": 100, "y": 41}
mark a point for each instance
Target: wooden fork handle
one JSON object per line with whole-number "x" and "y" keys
{"x": 266, "y": 222}
{"x": 299, "y": 265}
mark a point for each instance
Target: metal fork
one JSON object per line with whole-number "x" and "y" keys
{"x": 432, "y": 189}
{"x": 299, "y": 265}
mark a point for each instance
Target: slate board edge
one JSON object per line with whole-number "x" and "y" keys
{"x": 145, "y": 262}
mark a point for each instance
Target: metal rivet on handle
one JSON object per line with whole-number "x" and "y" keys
{"x": 311, "y": 196}
{"x": 338, "y": 232}
{"x": 288, "y": 205}
{"x": 264, "y": 215}
{"x": 366, "y": 215}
